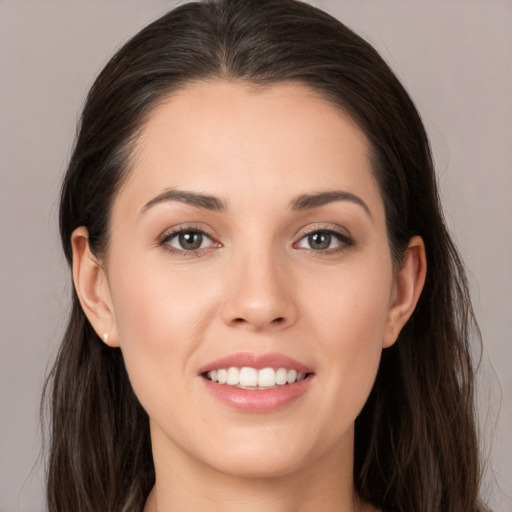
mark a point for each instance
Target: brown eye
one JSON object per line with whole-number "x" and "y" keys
{"x": 188, "y": 240}
{"x": 324, "y": 240}
{"x": 320, "y": 241}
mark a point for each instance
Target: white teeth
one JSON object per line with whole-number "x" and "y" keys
{"x": 267, "y": 377}
{"x": 281, "y": 376}
{"x": 291, "y": 376}
{"x": 222, "y": 376}
{"x": 250, "y": 378}
{"x": 233, "y": 376}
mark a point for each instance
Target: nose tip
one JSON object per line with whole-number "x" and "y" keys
{"x": 259, "y": 298}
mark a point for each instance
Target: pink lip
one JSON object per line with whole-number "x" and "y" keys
{"x": 255, "y": 401}
{"x": 258, "y": 361}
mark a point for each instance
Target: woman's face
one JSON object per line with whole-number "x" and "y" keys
{"x": 250, "y": 233}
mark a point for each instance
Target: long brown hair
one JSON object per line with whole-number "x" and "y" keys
{"x": 416, "y": 444}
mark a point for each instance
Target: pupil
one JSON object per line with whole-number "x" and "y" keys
{"x": 190, "y": 240}
{"x": 320, "y": 240}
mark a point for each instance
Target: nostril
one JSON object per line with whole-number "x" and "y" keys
{"x": 279, "y": 320}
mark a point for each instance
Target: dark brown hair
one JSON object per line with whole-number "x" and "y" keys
{"x": 416, "y": 445}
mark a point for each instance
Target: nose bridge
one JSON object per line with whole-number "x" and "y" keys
{"x": 259, "y": 294}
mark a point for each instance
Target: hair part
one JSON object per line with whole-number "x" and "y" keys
{"x": 416, "y": 445}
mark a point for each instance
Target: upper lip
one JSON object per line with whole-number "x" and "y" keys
{"x": 257, "y": 361}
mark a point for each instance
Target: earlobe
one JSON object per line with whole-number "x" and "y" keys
{"x": 408, "y": 286}
{"x": 92, "y": 288}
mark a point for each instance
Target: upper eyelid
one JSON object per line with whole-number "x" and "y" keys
{"x": 171, "y": 233}
{"x": 345, "y": 239}
{"x": 215, "y": 237}
{"x": 182, "y": 228}
{"x": 322, "y": 228}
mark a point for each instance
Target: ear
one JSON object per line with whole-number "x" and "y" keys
{"x": 92, "y": 288}
{"x": 407, "y": 288}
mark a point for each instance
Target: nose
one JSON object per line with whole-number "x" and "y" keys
{"x": 260, "y": 294}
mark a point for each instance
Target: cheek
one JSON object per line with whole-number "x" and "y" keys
{"x": 354, "y": 302}
{"x": 351, "y": 317}
{"x": 151, "y": 297}
{"x": 159, "y": 316}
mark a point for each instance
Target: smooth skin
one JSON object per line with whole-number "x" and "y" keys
{"x": 258, "y": 267}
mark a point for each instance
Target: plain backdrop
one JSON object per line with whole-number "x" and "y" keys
{"x": 454, "y": 57}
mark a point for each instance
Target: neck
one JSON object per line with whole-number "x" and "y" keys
{"x": 185, "y": 485}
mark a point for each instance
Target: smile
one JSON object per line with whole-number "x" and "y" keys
{"x": 257, "y": 383}
{"x": 254, "y": 379}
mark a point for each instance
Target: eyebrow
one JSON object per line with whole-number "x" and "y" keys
{"x": 212, "y": 203}
{"x": 198, "y": 200}
{"x": 309, "y": 201}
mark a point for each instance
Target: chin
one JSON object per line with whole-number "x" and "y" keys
{"x": 264, "y": 465}
{"x": 274, "y": 454}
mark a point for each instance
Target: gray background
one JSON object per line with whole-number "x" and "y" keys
{"x": 455, "y": 57}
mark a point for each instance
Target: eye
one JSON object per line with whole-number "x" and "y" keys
{"x": 187, "y": 240}
{"x": 324, "y": 240}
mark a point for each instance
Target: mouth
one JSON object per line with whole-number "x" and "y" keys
{"x": 257, "y": 383}
{"x": 255, "y": 379}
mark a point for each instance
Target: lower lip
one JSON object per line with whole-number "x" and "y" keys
{"x": 258, "y": 401}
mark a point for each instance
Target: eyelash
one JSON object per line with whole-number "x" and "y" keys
{"x": 342, "y": 237}
{"x": 182, "y": 230}
{"x": 344, "y": 240}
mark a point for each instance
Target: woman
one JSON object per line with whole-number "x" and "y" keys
{"x": 249, "y": 213}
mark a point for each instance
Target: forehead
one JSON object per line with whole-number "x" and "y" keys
{"x": 229, "y": 138}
